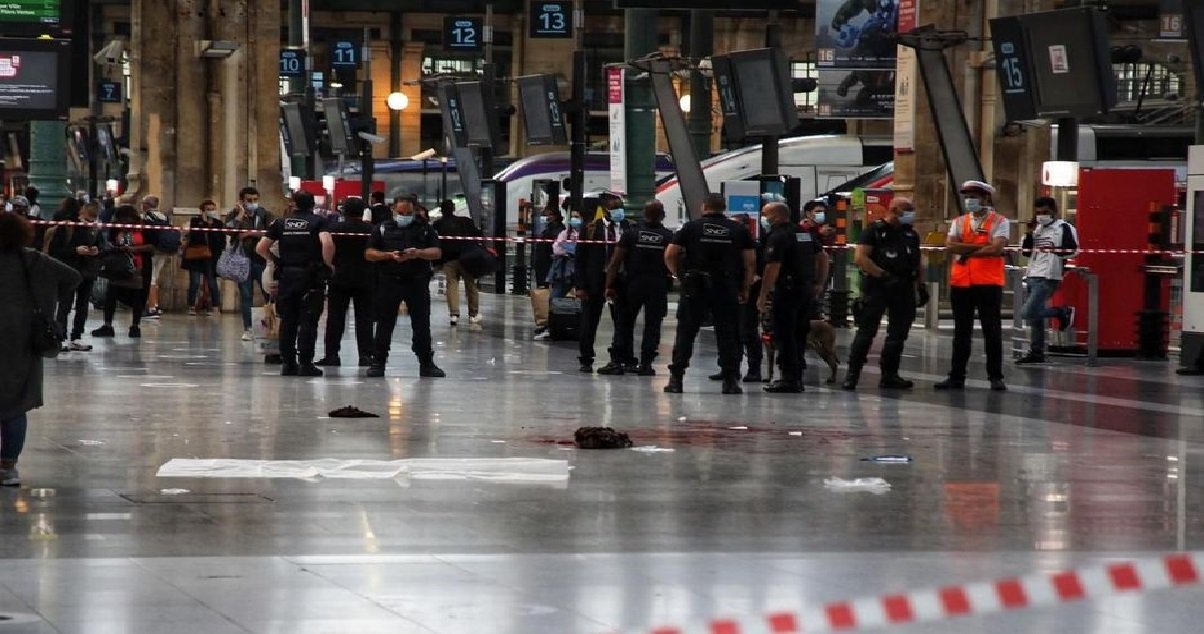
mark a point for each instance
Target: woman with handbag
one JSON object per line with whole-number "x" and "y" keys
{"x": 126, "y": 263}
{"x": 202, "y": 248}
{"x": 78, "y": 247}
{"x": 31, "y": 284}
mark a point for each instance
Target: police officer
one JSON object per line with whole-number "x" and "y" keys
{"x": 716, "y": 261}
{"x": 354, "y": 281}
{"x": 888, "y": 255}
{"x": 303, "y": 268}
{"x": 976, "y": 279}
{"x": 403, "y": 249}
{"x": 786, "y": 291}
{"x": 641, "y": 256}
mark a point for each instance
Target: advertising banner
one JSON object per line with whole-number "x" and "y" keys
{"x": 856, "y": 94}
{"x": 615, "y": 100}
{"x": 905, "y": 81}
{"x": 856, "y": 33}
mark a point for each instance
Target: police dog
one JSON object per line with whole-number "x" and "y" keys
{"x": 821, "y": 339}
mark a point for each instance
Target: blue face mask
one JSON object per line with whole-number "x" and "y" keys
{"x": 908, "y": 218}
{"x": 618, "y": 215}
{"x": 405, "y": 221}
{"x": 821, "y": 217}
{"x": 251, "y": 206}
{"x": 973, "y": 205}
{"x": 575, "y": 223}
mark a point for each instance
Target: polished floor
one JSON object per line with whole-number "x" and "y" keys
{"x": 1072, "y": 467}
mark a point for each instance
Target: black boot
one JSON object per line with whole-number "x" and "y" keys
{"x": 613, "y": 368}
{"x": 428, "y": 370}
{"x": 376, "y": 371}
{"x": 784, "y": 387}
{"x": 674, "y": 386}
{"x": 718, "y": 376}
{"x": 329, "y": 361}
{"x": 895, "y": 382}
{"x": 307, "y": 368}
{"x": 289, "y": 369}
{"x": 731, "y": 385}
{"x": 754, "y": 374}
{"x": 951, "y": 383}
{"x": 851, "y": 378}
{"x": 645, "y": 369}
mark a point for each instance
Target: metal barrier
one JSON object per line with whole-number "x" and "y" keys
{"x": 1057, "y": 339}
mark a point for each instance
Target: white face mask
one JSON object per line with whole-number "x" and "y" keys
{"x": 974, "y": 205}
{"x": 1045, "y": 220}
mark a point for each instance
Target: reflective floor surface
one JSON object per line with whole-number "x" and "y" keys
{"x": 1072, "y": 467}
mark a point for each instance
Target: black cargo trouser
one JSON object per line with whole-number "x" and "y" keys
{"x": 987, "y": 301}
{"x": 899, "y": 304}
{"x": 750, "y": 329}
{"x": 342, "y": 296}
{"x": 651, "y": 295}
{"x": 720, "y": 297}
{"x": 390, "y": 294}
{"x": 299, "y": 307}
{"x": 786, "y": 313}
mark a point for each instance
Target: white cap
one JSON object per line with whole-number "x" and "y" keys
{"x": 979, "y": 185}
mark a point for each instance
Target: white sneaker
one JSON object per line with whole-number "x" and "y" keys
{"x": 246, "y": 335}
{"x": 476, "y": 319}
{"x": 455, "y": 319}
{"x": 191, "y": 312}
{"x": 79, "y": 346}
{"x": 542, "y": 336}
{"x": 9, "y": 477}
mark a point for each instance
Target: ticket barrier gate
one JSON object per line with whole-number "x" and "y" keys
{"x": 1059, "y": 343}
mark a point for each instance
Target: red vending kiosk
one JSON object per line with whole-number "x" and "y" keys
{"x": 1113, "y": 212}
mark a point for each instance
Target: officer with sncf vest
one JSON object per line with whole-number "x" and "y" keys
{"x": 403, "y": 249}
{"x": 640, "y": 258}
{"x": 715, "y": 259}
{"x": 303, "y": 268}
{"x": 888, "y": 255}
{"x": 976, "y": 242}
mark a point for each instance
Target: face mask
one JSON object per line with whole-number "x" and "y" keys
{"x": 618, "y": 215}
{"x": 765, "y": 223}
{"x": 821, "y": 217}
{"x": 973, "y": 205}
{"x": 908, "y": 218}
{"x": 405, "y": 221}
{"x": 1045, "y": 219}
{"x": 8, "y": 207}
{"x": 252, "y": 206}
{"x": 575, "y": 223}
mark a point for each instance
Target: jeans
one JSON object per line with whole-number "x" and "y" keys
{"x": 12, "y": 437}
{"x": 455, "y": 273}
{"x": 987, "y": 301}
{"x": 194, "y": 286}
{"x": 1035, "y": 311}
{"x": 246, "y": 292}
{"x": 80, "y": 298}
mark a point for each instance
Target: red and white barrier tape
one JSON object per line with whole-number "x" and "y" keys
{"x": 975, "y": 599}
{"x": 525, "y": 239}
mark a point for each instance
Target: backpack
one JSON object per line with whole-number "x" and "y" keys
{"x": 166, "y": 240}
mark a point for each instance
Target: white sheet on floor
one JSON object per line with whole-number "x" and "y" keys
{"x": 491, "y": 469}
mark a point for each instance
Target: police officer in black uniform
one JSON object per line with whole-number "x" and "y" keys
{"x": 786, "y": 292}
{"x": 303, "y": 268}
{"x": 354, "y": 281}
{"x": 715, "y": 259}
{"x": 888, "y": 255}
{"x": 403, "y": 249}
{"x": 640, "y": 257}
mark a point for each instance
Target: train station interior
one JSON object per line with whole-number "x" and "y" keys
{"x": 172, "y": 480}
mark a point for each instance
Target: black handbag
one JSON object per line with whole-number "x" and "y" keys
{"x": 117, "y": 266}
{"x": 45, "y": 337}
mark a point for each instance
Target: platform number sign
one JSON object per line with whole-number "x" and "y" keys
{"x": 1012, "y": 68}
{"x": 345, "y": 54}
{"x": 292, "y": 63}
{"x": 463, "y": 34}
{"x": 108, "y": 92}
{"x": 551, "y": 20}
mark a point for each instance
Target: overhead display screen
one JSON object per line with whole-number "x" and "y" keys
{"x": 48, "y": 12}
{"x": 33, "y": 79}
